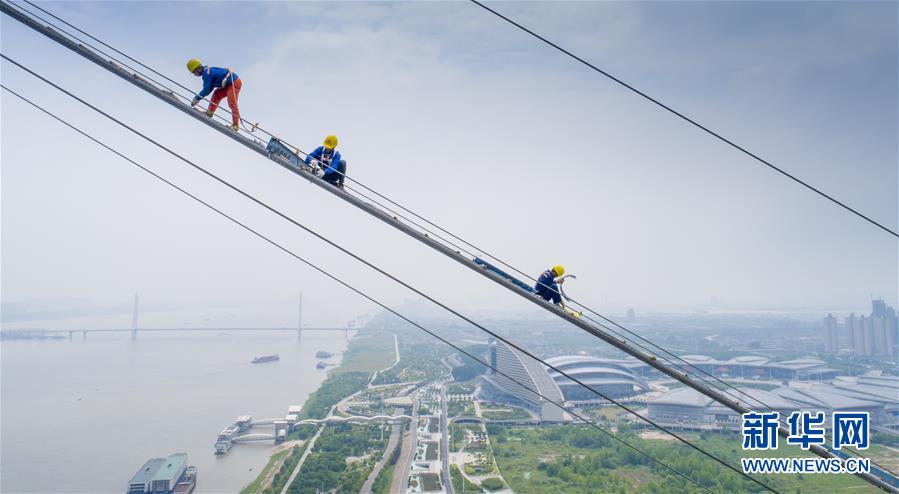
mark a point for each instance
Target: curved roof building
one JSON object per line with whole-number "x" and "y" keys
{"x": 743, "y": 366}
{"x": 612, "y": 378}
{"x": 687, "y": 408}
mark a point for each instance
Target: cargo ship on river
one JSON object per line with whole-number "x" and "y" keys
{"x": 266, "y": 358}
{"x": 188, "y": 482}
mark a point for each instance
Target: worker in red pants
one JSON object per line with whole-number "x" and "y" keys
{"x": 221, "y": 83}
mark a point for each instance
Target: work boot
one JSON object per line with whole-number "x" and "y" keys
{"x": 209, "y": 113}
{"x": 235, "y": 128}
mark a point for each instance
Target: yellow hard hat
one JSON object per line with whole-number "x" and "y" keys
{"x": 330, "y": 142}
{"x": 559, "y": 270}
{"x": 192, "y": 64}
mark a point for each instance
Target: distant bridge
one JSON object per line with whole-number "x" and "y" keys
{"x": 134, "y": 332}
{"x": 135, "y": 328}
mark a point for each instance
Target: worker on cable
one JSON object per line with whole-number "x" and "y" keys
{"x": 221, "y": 83}
{"x": 327, "y": 158}
{"x": 547, "y": 286}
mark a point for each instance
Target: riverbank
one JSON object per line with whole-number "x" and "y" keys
{"x": 366, "y": 354}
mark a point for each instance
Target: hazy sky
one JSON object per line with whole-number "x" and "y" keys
{"x": 479, "y": 127}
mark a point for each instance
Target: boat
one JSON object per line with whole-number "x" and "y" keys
{"x": 321, "y": 365}
{"x": 222, "y": 447}
{"x": 266, "y": 358}
{"x": 188, "y": 482}
{"x": 323, "y": 354}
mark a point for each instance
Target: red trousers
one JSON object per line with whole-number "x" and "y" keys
{"x": 232, "y": 92}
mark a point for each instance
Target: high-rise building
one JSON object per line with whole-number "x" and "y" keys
{"x": 892, "y": 336}
{"x": 881, "y": 309}
{"x": 830, "y": 334}
{"x": 867, "y": 336}
{"x": 877, "y": 334}
{"x": 855, "y": 332}
{"x": 884, "y": 327}
{"x": 864, "y": 340}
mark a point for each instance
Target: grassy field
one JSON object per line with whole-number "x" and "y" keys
{"x": 562, "y": 462}
{"x": 283, "y": 473}
{"x": 610, "y": 414}
{"x": 381, "y": 484}
{"x": 343, "y": 457}
{"x": 458, "y": 479}
{"x": 729, "y": 445}
{"x": 256, "y": 485}
{"x": 368, "y": 353}
{"x": 505, "y": 414}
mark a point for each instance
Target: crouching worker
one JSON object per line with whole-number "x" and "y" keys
{"x": 221, "y": 83}
{"x": 329, "y": 160}
{"x": 546, "y": 286}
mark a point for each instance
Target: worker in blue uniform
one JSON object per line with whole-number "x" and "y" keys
{"x": 327, "y": 156}
{"x": 547, "y": 286}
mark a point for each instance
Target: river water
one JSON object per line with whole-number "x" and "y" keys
{"x": 82, "y": 416}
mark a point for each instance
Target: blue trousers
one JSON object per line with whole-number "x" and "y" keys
{"x": 552, "y": 294}
{"x": 336, "y": 178}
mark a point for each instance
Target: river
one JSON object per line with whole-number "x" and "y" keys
{"x": 82, "y": 416}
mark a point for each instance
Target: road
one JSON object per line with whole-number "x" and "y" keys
{"x": 444, "y": 442}
{"x": 407, "y": 455}
{"x": 388, "y": 452}
{"x": 306, "y": 453}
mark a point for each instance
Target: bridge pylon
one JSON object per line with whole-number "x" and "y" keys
{"x": 300, "y": 319}
{"x": 134, "y": 318}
